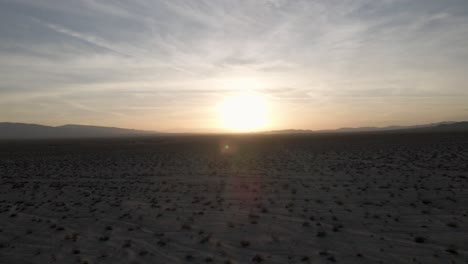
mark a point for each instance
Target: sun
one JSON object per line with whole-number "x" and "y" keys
{"x": 244, "y": 112}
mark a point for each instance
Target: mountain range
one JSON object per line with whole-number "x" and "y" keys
{"x": 439, "y": 126}
{"x": 34, "y": 131}
{"x": 23, "y": 131}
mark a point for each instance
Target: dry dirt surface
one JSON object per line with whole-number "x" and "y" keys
{"x": 356, "y": 198}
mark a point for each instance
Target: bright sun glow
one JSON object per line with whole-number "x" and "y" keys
{"x": 244, "y": 112}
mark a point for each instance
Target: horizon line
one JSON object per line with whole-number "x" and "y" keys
{"x": 239, "y": 132}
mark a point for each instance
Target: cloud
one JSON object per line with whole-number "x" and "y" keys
{"x": 87, "y": 38}
{"x": 323, "y": 52}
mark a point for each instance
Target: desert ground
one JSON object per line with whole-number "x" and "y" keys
{"x": 336, "y": 198}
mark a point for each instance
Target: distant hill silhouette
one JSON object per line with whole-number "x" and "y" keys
{"x": 448, "y": 126}
{"x": 34, "y": 131}
{"x": 24, "y": 131}
{"x": 391, "y": 128}
{"x": 453, "y": 127}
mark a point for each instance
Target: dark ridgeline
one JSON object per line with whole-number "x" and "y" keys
{"x": 34, "y": 131}
{"x": 432, "y": 127}
{"x": 26, "y": 131}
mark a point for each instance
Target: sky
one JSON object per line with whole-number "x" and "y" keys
{"x": 168, "y": 65}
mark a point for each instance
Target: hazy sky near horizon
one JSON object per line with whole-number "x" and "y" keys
{"x": 166, "y": 65}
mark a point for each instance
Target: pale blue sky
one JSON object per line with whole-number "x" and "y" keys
{"x": 165, "y": 65}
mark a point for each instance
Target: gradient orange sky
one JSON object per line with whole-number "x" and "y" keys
{"x": 169, "y": 65}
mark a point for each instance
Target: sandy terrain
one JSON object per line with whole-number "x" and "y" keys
{"x": 389, "y": 198}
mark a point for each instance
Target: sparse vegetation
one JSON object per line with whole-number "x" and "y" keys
{"x": 93, "y": 200}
